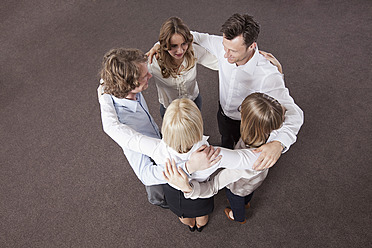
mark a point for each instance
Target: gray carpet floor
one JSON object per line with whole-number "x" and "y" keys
{"x": 65, "y": 183}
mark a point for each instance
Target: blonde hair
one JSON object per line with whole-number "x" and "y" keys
{"x": 182, "y": 125}
{"x": 120, "y": 70}
{"x": 260, "y": 115}
{"x": 174, "y": 25}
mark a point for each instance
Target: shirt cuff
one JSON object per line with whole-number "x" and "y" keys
{"x": 195, "y": 190}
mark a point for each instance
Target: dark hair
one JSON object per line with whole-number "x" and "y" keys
{"x": 120, "y": 70}
{"x": 244, "y": 25}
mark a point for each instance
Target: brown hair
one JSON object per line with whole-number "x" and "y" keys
{"x": 120, "y": 70}
{"x": 260, "y": 115}
{"x": 182, "y": 125}
{"x": 174, "y": 25}
{"x": 244, "y": 25}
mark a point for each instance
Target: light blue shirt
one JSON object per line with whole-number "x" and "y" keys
{"x": 135, "y": 114}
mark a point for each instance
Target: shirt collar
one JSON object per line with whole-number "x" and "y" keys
{"x": 250, "y": 66}
{"x": 130, "y": 104}
{"x": 185, "y": 156}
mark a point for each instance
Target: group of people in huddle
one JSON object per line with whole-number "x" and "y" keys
{"x": 257, "y": 118}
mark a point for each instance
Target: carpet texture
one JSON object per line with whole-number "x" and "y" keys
{"x": 65, "y": 183}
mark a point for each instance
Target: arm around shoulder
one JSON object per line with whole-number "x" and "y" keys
{"x": 212, "y": 43}
{"x": 294, "y": 116}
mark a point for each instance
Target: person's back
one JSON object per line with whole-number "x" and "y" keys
{"x": 261, "y": 117}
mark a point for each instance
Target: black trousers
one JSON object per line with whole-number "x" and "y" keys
{"x": 228, "y": 128}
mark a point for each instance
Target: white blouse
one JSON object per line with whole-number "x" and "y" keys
{"x": 184, "y": 85}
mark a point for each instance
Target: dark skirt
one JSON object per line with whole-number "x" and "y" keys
{"x": 187, "y": 208}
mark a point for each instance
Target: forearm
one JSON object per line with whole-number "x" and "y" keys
{"x": 218, "y": 181}
{"x": 287, "y": 134}
{"x": 201, "y": 190}
{"x": 122, "y": 134}
{"x": 146, "y": 171}
{"x": 293, "y": 117}
{"x": 242, "y": 159}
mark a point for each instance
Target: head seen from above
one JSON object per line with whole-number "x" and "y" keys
{"x": 260, "y": 115}
{"x": 175, "y": 46}
{"x": 240, "y": 33}
{"x": 124, "y": 72}
{"x": 182, "y": 125}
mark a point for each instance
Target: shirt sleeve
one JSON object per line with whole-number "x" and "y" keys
{"x": 294, "y": 117}
{"x": 146, "y": 171}
{"x": 212, "y": 43}
{"x": 205, "y": 58}
{"x": 209, "y": 188}
{"x": 137, "y": 147}
{"x": 122, "y": 134}
{"x": 238, "y": 159}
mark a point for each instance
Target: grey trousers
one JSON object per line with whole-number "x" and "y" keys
{"x": 155, "y": 195}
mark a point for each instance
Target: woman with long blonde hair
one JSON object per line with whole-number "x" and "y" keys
{"x": 261, "y": 116}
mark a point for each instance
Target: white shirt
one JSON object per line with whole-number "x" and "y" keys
{"x": 184, "y": 85}
{"x": 240, "y": 182}
{"x": 135, "y": 114}
{"x": 257, "y": 75}
{"x": 155, "y": 148}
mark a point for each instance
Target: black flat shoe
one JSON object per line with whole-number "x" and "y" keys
{"x": 192, "y": 229}
{"x": 199, "y": 229}
{"x": 165, "y": 206}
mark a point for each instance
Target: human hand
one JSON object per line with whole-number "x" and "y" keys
{"x": 270, "y": 153}
{"x": 176, "y": 176}
{"x": 272, "y": 60}
{"x": 203, "y": 158}
{"x": 153, "y": 51}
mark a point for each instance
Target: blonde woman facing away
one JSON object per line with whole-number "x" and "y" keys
{"x": 182, "y": 135}
{"x": 261, "y": 115}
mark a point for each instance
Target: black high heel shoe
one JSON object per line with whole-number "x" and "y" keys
{"x": 192, "y": 229}
{"x": 199, "y": 229}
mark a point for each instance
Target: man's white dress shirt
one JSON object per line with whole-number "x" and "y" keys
{"x": 257, "y": 75}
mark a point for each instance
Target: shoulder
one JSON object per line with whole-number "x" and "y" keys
{"x": 154, "y": 67}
